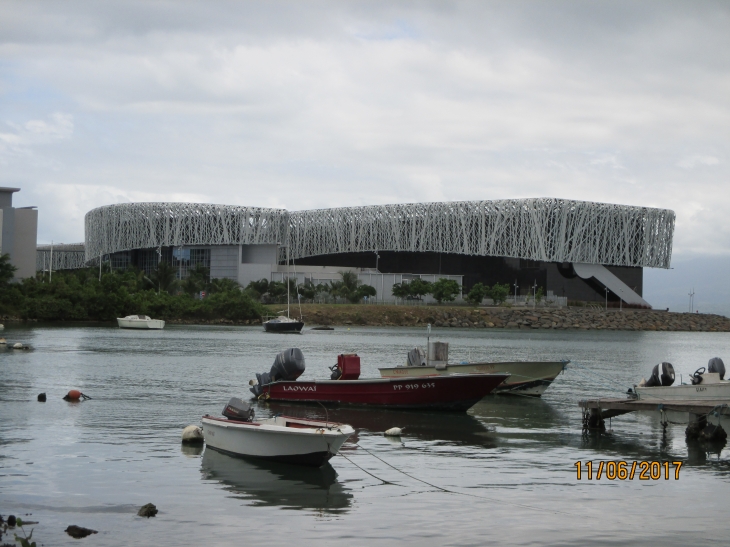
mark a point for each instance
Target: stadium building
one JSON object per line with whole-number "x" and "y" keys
{"x": 572, "y": 249}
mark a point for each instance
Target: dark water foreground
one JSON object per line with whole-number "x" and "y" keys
{"x": 508, "y": 464}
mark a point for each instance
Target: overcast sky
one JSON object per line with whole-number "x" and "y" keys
{"x": 323, "y": 104}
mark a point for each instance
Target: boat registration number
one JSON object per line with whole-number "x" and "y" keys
{"x": 414, "y": 386}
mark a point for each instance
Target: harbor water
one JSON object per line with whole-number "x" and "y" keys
{"x": 504, "y": 473}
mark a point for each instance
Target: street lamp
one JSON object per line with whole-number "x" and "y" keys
{"x": 534, "y": 295}
{"x": 516, "y": 287}
{"x": 606, "y": 289}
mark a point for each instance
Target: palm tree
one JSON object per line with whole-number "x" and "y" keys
{"x": 223, "y": 284}
{"x": 163, "y": 278}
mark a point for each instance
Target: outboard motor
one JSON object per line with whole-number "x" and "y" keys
{"x": 661, "y": 375}
{"x": 238, "y": 410}
{"x": 416, "y": 358}
{"x": 716, "y": 365}
{"x": 288, "y": 366}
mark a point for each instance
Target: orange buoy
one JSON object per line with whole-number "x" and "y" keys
{"x": 73, "y": 395}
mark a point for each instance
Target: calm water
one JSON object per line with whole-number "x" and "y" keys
{"x": 510, "y": 459}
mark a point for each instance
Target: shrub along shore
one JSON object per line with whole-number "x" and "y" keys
{"x": 81, "y": 296}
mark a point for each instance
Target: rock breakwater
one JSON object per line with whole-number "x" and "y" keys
{"x": 514, "y": 318}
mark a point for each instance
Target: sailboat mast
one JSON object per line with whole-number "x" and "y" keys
{"x": 287, "y": 280}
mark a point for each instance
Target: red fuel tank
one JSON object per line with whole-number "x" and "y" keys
{"x": 349, "y": 364}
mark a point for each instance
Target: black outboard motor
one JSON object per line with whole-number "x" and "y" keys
{"x": 716, "y": 365}
{"x": 288, "y": 366}
{"x": 661, "y": 375}
{"x": 238, "y": 410}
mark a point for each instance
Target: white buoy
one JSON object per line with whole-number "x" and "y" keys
{"x": 192, "y": 434}
{"x": 393, "y": 432}
{"x": 3, "y": 342}
{"x": 17, "y": 345}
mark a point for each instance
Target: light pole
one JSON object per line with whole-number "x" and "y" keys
{"x": 606, "y": 289}
{"x": 159, "y": 260}
{"x": 516, "y": 287}
{"x": 534, "y": 295}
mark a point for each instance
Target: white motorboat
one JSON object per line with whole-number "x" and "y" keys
{"x": 282, "y": 438}
{"x": 526, "y": 377}
{"x": 707, "y": 384}
{"x": 140, "y": 322}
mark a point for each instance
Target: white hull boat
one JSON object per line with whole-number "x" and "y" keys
{"x": 282, "y": 438}
{"x": 140, "y": 322}
{"x": 708, "y": 384}
{"x": 526, "y": 377}
{"x": 712, "y": 388}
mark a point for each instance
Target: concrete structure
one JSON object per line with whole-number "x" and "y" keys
{"x": 524, "y": 242}
{"x": 18, "y": 234}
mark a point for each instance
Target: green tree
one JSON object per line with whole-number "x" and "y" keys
{"x": 164, "y": 278}
{"x": 223, "y": 285}
{"x": 499, "y": 293}
{"x": 419, "y": 288}
{"x": 401, "y": 290}
{"x": 308, "y": 290}
{"x": 445, "y": 290}
{"x": 197, "y": 280}
{"x": 258, "y": 288}
{"x": 348, "y": 287}
{"x": 7, "y": 270}
{"x": 366, "y": 290}
{"x": 477, "y": 293}
{"x": 277, "y": 291}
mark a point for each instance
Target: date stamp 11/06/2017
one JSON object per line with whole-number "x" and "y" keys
{"x": 622, "y": 470}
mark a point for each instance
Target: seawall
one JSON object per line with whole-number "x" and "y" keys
{"x": 515, "y": 318}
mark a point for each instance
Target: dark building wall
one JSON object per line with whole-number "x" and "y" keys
{"x": 558, "y": 278}
{"x": 562, "y": 280}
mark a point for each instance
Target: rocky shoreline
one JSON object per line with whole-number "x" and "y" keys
{"x": 516, "y": 318}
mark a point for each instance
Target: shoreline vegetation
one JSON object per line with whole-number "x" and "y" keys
{"x": 80, "y": 296}
{"x": 347, "y": 315}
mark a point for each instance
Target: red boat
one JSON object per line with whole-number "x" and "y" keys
{"x": 453, "y": 392}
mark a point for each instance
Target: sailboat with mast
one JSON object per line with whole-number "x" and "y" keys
{"x": 284, "y": 323}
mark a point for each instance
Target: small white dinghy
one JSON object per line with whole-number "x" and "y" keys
{"x": 282, "y": 438}
{"x": 140, "y": 322}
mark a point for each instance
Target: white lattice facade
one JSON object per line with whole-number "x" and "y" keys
{"x": 60, "y": 257}
{"x": 131, "y": 226}
{"x": 550, "y": 230}
{"x": 544, "y": 229}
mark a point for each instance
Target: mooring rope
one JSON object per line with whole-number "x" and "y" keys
{"x": 447, "y": 490}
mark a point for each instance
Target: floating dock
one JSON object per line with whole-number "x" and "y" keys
{"x": 595, "y": 411}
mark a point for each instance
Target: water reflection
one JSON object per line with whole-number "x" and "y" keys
{"x": 521, "y": 412}
{"x": 453, "y": 427}
{"x": 274, "y": 484}
{"x": 191, "y": 450}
